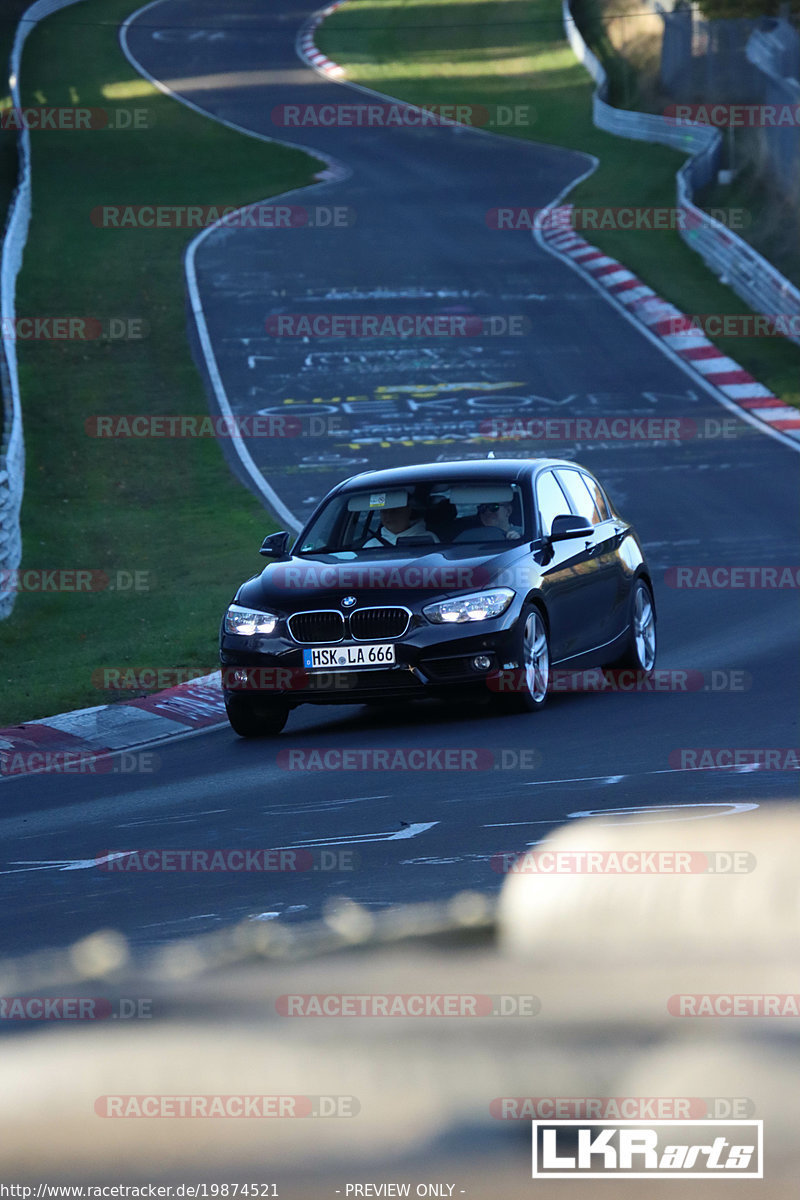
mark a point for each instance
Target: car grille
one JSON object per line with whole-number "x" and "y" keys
{"x": 368, "y": 624}
{"x": 363, "y": 625}
{"x": 316, "y": 627}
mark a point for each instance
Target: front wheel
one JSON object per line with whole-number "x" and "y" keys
{"x": 533, "y": 655}
{"x": 640, "y": 652}
{"x": 250, "y": 719}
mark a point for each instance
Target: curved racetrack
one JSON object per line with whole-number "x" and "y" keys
{"x": 420, "y": 242}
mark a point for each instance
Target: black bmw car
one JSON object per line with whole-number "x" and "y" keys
{"x": 434, "y": 579}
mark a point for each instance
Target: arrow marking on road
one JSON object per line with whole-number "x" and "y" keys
{"x": 63, "y": 864}
{"x": 348, "y": 839}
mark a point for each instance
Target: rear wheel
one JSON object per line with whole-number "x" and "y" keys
{"x": 251, "y": 719}
{"x": 533, "y": 655}
{"x": 640, "y": 652}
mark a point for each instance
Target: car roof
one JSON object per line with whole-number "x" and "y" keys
{"x": 482, "y": 468}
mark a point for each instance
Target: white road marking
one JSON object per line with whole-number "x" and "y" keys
{"x": 62, "y": 864}
{"x": 323, "y": 806}
{"x": 731, "y": 806}
{"x": 736, "y": 768}
{"x": 85, "y": 864}
{"x": 350, "y": 839}
{"x": 194, "y": 35}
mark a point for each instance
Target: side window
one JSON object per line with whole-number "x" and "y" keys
{"x": 550, "y": 500}
{"x": 596, "y": 493}
{"x": 580, "y": 495}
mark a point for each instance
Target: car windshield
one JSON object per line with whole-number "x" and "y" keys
{"x": 416, "y": 516}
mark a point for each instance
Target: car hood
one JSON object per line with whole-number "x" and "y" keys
{"x": 377, "y": 579}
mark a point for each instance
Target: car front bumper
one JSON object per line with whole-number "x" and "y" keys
{"x": 431, "y": 660}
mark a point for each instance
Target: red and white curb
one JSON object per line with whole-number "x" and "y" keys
{"x": 668, "y": 323}
{"x": 84, "y": 741}
{"x": 308, "y": 49}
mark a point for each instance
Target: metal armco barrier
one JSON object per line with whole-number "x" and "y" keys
{"x": 12, "y": 447}
{"x": 737, "y": 264}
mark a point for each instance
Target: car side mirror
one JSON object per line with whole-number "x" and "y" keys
{"x": 567, "y": 525}
{"x": 274, "y": 546}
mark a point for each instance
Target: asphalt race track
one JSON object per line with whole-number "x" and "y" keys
{"x": 420, "y": 243}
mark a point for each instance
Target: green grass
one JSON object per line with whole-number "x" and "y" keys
{"x": 513, "y": 52}
{"x": 170, "y": 508}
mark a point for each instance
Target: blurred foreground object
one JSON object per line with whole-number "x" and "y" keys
{"x": 598, "y": 959}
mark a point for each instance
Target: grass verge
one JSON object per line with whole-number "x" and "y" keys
{"x": 513, "y": 52}
{"x": 170, "y": 509}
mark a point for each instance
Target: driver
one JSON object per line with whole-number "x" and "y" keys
{"x": 497, "y": 516}
{"x": 398, "y": 524}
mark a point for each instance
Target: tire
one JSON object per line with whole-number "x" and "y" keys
{"x": 252, "y": 720}
{"x": 639, "y": 654}
{"x": 533, "y": 653}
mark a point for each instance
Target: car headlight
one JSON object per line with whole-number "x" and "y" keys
{"x": 247, "y": 622}
{"x": 476, "y": 607}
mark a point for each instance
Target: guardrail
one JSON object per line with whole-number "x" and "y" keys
{"x": 12, "y": 447}
{"x": 737, "y": 264}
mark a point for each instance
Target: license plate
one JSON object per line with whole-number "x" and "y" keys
{"x": 336, "y": 657}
